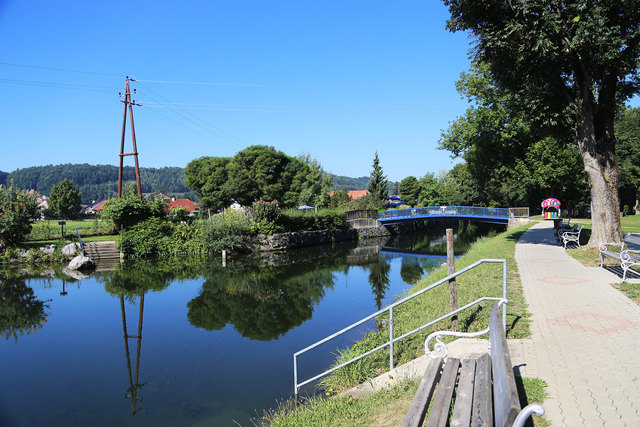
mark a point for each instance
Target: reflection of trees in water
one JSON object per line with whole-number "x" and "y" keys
{"x": 411, "y": 273}
{"x": 261, "y": 303}
{"x": 21, "y": 313}
{"x": 379, "y": 280}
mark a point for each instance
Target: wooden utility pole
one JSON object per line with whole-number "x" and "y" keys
{"x": 128, "y": 104}
{"x": 453, "y": 291}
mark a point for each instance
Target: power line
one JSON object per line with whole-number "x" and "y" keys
{"x": 186, "y": 127}
{"x": 74, "y": 86}
{"x": 59, "y": 69}
{"x": 212, "y": 128}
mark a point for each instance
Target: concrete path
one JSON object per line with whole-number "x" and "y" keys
{"x": 585, "y": 336}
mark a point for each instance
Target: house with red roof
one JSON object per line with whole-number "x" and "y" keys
{"x": 191, "y": 207}
{"x": 353, "y": 194}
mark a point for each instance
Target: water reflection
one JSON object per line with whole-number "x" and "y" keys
{"x": 217, "y": 340}
{"x": 21, "y": 313}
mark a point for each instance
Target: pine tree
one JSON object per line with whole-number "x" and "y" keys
{"x": 378, "y": 183}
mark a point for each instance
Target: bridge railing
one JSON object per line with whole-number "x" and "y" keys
{"x": 519, "y": 212}
{"x": 435, "y": 211}
{"x": 361, "y": 214}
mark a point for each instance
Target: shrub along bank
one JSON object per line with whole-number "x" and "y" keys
{"x": 232, "y": 231}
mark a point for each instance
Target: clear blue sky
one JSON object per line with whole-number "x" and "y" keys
{"x": 339, "y": 80}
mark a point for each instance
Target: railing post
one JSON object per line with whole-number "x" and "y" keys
{"x": 504, "y": 295}
{"x": 295, "y": 375}
{"x": 391, "y": 338}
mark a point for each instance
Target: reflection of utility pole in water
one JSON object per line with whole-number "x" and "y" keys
{"x": 134, "y": 385}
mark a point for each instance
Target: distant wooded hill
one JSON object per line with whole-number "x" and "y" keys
{"x": 340, "y": 182}
{"x": 98, "y": 182}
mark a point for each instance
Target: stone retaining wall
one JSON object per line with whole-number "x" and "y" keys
{"x": 282, "y": 241}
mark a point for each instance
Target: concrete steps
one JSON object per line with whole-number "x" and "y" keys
{"x": 101, "y": 251}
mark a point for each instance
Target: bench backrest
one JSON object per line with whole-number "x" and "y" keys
{"x": 505, "y": 394}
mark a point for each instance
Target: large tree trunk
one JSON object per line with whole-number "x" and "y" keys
{"x": 597, "y": 146}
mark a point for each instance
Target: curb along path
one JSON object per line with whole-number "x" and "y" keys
{"x": 585, "y": 336}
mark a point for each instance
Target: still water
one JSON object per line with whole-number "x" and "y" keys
{"x": 187, "y": 341}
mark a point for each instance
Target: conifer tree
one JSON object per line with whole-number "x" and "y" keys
{"x": 378, "y": 183}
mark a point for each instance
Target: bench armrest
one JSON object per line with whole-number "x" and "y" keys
{"x": 604, "y": 247}
{"x": 630, "y": 256}
{"x": 527, "y": 411}
{"x": 441, "y": 347}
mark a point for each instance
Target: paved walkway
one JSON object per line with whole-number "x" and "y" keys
{"x": 585, "y": 336}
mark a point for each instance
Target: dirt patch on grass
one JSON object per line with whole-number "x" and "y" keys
{"x": 392, "y": 413}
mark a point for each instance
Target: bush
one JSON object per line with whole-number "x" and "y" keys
{"x": 18, "y": 211}
{"x": 325, "y": 219}
{"x": 228, "y": 231}
{"x": 157, "y": 237}
{"x": 130, "y": 210}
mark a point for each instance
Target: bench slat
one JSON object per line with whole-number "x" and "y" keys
{"x": 418, "y": 408}
{"x": 507, "y": 403}
{"x": 482, "y": 414}
{"x": 464, "y": 395}
{"x": 439, "y": 414}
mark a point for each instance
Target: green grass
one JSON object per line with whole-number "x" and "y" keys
{"x": 632, "y": 290}
{"x": 48, "y": 230}
{"x": 386, "y": 407}
{"x": 485, "y": 280}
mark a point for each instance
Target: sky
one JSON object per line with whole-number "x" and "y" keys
{"x": 338, "y": 80}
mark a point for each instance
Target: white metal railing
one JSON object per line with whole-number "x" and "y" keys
{"x": 390, "y": 308}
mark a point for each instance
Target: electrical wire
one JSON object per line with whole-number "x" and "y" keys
{"x": 206, "y": 125}
{"x": 59, "y": 69}
{"x": 74, "y": 86}
{"x": 189, "y": 129}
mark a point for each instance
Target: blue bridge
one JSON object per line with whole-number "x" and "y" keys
{"x": 491, "y": 215}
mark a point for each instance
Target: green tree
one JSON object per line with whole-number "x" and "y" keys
{"x": 431, "y": 191}
{"x": 18, "y": 211}
{"x": 261, "y": 172}
{"x": 316, "y": 186}
{"x": 628, "y": 153}
{"x": 548, "y": 170}
{"x": 130, "y": 210}
{"x": 207, "y": 176}
{"x": 340, "y": 199}
{"x": 64, "y": 199}
{"x": 409, "y": 189}
{"x": 579, "y": 56}
{"x": 460, "y": 188}
{"x": 378, "y": 183}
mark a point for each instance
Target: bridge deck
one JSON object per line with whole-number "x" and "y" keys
{"x": 498, "y": 215}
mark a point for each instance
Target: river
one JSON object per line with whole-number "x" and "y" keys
{"x": 188, "y": 341}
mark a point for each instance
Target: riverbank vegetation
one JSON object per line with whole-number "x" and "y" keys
{"x": 391, "y": 404}
{"x": 485, "y": 280}
{"x": 386, "y": 407}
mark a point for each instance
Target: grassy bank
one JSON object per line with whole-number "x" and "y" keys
{"x": 485, "y": 280}
{"x": 387, "y": 407}
{"x": 384, "y": 408}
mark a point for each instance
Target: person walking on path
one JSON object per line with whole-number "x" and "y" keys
{"x": 585, "y": 339}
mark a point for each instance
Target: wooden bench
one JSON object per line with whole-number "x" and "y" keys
{"x": 568, "y": 236}
{"x": 628, "y": 257}
{"x": 486, "y": 393}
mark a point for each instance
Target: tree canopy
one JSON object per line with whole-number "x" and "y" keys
{"x": 64, "y": 200}
{"x": 571, "y": 63}
{"x": 18, "y": 211}
{"x": 628, "y": 153}
{"x": 258, "y": 173}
